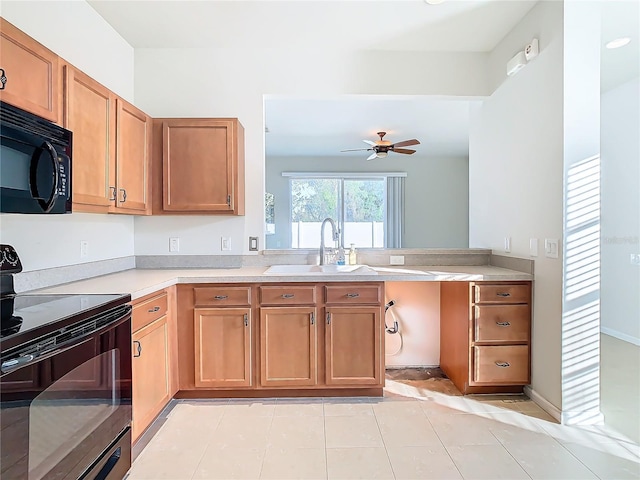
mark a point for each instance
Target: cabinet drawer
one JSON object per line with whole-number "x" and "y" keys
{"x": 147, "y": 311}
{"x": 222, "y": 296}
{"x": 352, "y": 294}
{"x": 288, "y": 295}
{"x": 501, "y": 293}
{"x": 501, "y": 323}
{"x": 501, "y": 365}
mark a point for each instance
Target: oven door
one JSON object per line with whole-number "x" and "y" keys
{"x": 61, "y": 411}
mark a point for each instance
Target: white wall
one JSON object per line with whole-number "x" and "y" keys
{"x": 515, "y": 175}
{"x": 228, "y": 82}
{"x": 436, "y": 194}
{"x": 620, "y": 147}
{"x": 74, "y": 31}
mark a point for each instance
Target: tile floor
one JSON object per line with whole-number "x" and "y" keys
{"x": 410, "y": 433}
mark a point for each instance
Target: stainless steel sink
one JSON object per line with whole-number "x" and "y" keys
{"x": 320, "y": 270}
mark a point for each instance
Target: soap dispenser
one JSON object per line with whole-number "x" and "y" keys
{"x": 353, "y": 260}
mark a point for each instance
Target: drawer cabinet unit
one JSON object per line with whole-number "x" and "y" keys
{"x": 150, "y": 366}
{"x": 222, "y": 325}
{"x": 31, "y": 74}
{"x": 485, "y": 334}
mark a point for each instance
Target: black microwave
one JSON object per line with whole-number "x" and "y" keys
{"x": 35, "y": 163}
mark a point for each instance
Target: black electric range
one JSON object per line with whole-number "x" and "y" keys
{"x": 65, "y": 382}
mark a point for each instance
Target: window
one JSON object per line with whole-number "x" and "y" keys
{"x": 358, "y": 204}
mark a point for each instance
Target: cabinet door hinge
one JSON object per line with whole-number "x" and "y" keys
{"x": 246, "y": 320}
{"x": 229, "y": 200}
{"x": 313, "y": 319}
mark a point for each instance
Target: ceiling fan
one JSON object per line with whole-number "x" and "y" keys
{"x": 381, "y": 148}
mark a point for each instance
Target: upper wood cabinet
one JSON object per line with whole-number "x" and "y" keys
{"x": 32, "y": 73}
{"x": 111, "y": 148}
{"x": 90, "y": 113}
{"x": 202, "y": 166}
{"x": 133, "y": 147}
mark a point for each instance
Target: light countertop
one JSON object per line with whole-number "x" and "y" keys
{"x": 141, "y": 282}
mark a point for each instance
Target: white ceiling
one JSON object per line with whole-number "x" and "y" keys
{"x": 323, "y": 127}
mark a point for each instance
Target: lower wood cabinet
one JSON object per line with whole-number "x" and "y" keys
{"x": 153, "y": 371}
{"x": 288, "y": 346}
{"x": 485, "y": 335}
{"x": 353, "y": 346}
{"x": 222, "y": 347}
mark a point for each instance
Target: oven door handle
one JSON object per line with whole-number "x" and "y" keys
{"x": 25, "y": 360}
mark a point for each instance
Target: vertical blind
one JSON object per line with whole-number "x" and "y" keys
{"x": 395, "y": 212}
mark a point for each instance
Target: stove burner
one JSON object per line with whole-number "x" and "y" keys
{"x": 10, "y": 326}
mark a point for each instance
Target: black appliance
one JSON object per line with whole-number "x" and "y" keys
{"x": 35, "y": 163}
{"x": 65, "y": 383}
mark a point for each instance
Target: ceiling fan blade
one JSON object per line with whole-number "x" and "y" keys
{"x": 406, "y": 143}
{"x": 356, "y": 149}
{"x": 369, "y": 142}
{"x": 404, "y": 150}
{"x": 372, "y": 156}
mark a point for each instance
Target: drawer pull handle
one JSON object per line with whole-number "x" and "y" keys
{"x": 154, "y": 309}
{"x": 221, "y": 297}
{"x": 503, "y": 364}
{"x": 137, "y": 348}
{"x": 353, "y": 295}
{"x": 503, "y": 294}
{"x": 288, "y": 295}
{"x": 503, "y": 324}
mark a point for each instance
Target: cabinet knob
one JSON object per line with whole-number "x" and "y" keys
{"x": 353, "y": 295}
{"x": 221, "y": 297}
{"x": 503, "y": 364}
{"x": 154, "y": 309}
{"x": 503, "y": 324}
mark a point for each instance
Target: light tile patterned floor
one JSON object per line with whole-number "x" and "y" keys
{"x": 411, "y": 433}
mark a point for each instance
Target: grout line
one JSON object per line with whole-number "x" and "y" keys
{"x": 384, "y": 444}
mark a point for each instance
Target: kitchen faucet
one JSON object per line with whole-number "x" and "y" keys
{"x": 335, "y": 235}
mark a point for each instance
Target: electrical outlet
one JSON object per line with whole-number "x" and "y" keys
{"x": 533, "y": 247}
{"x": 174, "y": 244}
{"x": 507, "y": 244}
{"x": 225, "y": 243}
{"x": 635, "y": 259}
{"x": 396, "y": 259}
{"x": 84, "y": 249}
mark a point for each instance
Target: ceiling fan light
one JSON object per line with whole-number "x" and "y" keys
{"x": 381, "y": 154}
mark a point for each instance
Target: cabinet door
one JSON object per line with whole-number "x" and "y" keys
{"x": 353, "y": 346}
{"x": 150, "y": 369}
{"x": 31, "y": 72}
{"x": 133, "y": 136}
{"x": 90, "y": 115}
{"x": 288, "y": 346}
{"x": 222, "y": 347}
{"x": 201, "y": 166}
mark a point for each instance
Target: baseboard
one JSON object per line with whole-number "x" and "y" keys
{"x": 543, "y": 403}
{"x": 620, "y": 336}
{"x": 398, "y": 367}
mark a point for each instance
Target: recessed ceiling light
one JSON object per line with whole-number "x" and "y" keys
{"x": 618, "y": 42}
{"x": 434, "y": 2}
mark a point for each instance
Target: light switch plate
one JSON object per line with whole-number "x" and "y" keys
{"x": 507, "y": 244}
{"x": 396, "y": 259}
{"x": 533, "y": 247}
{"x": 551, "y": 247}
{"x": 253, "y": 244}
{"x": 225, "y": 244}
